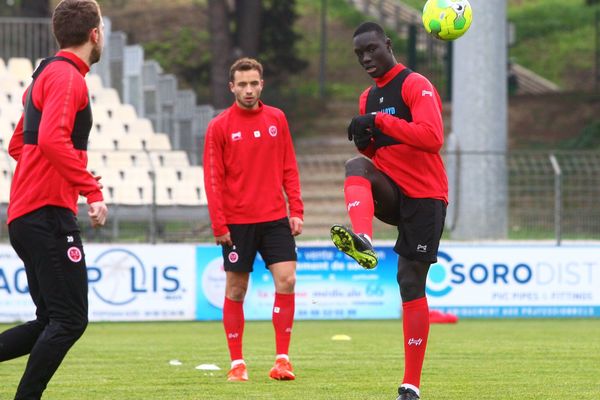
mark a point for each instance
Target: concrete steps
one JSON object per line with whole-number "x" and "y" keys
{"x": 321, "y": 165}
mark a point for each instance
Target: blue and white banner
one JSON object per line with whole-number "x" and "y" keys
{"x": 516, "y": 281}
{"x": 187, "y": 282}
{"x": 141, "y": 282}
{"x": 329, "y": 285}
{"x": 15, "y": 302}
{"x": 126, "y": 283}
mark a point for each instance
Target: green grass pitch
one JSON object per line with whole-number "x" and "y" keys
{"x": 474, "y": 359}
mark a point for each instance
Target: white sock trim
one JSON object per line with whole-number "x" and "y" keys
{"x": 284, "y": 356}
{"x": 235, "y": 363}
{"x": 412, "y": 387}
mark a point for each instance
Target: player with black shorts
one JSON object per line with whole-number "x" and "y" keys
{"x": 49, "y": 145}
{"x": 249, "y": 162}
{"x": 400, "y": 178}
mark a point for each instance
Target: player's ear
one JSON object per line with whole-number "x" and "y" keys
{"x": 231, "y": 86}
{"x": 95, "y": 35}
{"x": 388, "y": 44}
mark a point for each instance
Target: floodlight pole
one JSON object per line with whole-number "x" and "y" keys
{"x": 480, "y": 124}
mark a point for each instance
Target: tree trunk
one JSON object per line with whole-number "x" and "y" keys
{"x": 220, "y": 46}
{"x": 248, "y": 22}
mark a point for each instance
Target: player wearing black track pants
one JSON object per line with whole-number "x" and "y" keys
{"x": 49, "y": 145}
{"x": 399, "y": 178}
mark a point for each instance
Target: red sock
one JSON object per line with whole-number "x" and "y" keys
{"x": 415, "y": 321}
{"x": 359, "y": 203}
{"x": 233, "y": 321}
{"x": 283, "y": 319}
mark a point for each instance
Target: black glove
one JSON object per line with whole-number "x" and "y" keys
{"x": 361, "y": 130}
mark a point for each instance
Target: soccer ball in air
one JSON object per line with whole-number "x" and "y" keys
{"x": 447, "y": 19}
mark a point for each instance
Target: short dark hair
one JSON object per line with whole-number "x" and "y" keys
{"x": 369, "y": 27}
{"x": 73, "y": 20}
{"x": 245, "y": 64}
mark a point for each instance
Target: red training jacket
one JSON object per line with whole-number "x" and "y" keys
{"x": 248, "y": 159}
{"x": 53, "y": 172}
{"x": 415, "y": 164}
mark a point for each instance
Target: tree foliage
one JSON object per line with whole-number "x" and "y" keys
{"x": 268, "y": 31}
{"x": 278, "y": 38}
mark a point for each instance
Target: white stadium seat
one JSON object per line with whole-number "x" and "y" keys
{"x": 110, "y": 127}
{"x": 5, "y": 134}
{"x": 101, "y": 142}
{"x": 140, "y": 126}
{"x": 21, "y": 69}
{"x": 106, "y": 96}
{"x": 127, "y": 142}
{"x": 174, "y": 158}
{"x": 101, "y": 113}
{"x": 124, "y": 113}
{"x": 94, "y": 83}
{"x": 95, "y": 160}
{"x": 189, "y": 195}
{"x": 3, "y": 70}
{"x": 156, "y": 142}
{"x": 10, "y": 90}
{"x": 192, "y": 174}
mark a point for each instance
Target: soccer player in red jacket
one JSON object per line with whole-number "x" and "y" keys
{"x": 49, "y": 145}
{"x": 402, "y": 181}
{"x": 249, "y": 161}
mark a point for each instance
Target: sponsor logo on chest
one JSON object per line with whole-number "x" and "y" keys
{"x": 257, "y": 134}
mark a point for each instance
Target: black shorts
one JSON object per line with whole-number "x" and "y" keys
{"x": 420, "y": 224}
{"x": 272, "y": 239}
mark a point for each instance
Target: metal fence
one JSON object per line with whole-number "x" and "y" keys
{"x": 26, "y": 37}
{"x": 552, "y": 196}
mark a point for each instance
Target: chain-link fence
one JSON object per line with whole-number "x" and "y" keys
{"x": 554, "y": 195}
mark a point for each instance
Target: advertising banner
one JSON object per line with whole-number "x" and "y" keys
{"x": 529, "y": 281}
{"x": 15, "y": 302}
{"x": 126, "y": 283}
{"x": 329, "y": 285}
{"x": 516, "y": 280}
{"x": 187, "y": 282}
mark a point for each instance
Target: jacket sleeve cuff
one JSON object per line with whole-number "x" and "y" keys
{"x": 220, "y": 231}
{"x": 94, "y": 197}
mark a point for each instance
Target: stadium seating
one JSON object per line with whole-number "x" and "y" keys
{"x": 20, "y": 69}
{"x": 106, "y": 97}
{"x": 10, "y": 90}
{"x": 5, "y": 133}
{"x": 94, "y": 82}
{"x": 123, "y": 148}
{"x": 156, "y": 142}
